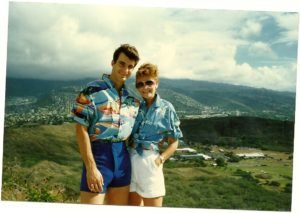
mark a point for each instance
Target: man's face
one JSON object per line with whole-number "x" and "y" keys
{"x": 122, "y": 68}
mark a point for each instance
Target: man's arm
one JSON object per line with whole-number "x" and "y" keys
{"x": 94, "y": 177}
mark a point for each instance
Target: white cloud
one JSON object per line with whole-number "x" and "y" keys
{"x": 262, "y": 50}
{"x": 287, "y": 21}
{"x": 251, "y": 28}
{"x": 74, "y": 40}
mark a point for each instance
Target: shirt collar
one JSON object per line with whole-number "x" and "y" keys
{"x": 107, "y": 80}
{"x": 111, "y": 85}
{"x": 157, "y": 102}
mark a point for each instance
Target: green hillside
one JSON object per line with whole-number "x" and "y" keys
{"x": 42, "y": 163}
{"x": 240, "y": 131}
{"x": 42, "y": 142}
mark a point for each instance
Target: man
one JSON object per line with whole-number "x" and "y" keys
{"x": 105, "y": 114}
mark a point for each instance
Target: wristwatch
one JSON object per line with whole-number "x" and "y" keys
{"x": 162, "y": 159}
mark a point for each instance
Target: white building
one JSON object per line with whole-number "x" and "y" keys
{"x": 206, "y": 157}
{"x": 251, "y": 155}
{"x": 186, "y": 149}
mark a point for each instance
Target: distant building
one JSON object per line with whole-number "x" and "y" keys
{"x": 186, "y": 149}
{"x": 251, "y": 155}
{"x": 206, "y": 157}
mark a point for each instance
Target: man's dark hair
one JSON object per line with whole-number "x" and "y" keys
{"x": 130, "y": 51}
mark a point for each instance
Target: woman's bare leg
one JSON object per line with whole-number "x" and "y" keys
{"x": 135, "y": 199}
{"x": 157, "y": 201}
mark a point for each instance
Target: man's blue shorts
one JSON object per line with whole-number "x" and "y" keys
{"x": 113, "y": 161}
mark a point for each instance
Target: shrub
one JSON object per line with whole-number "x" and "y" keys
{"x": 288, "y": 188}
{"x": 221, "y": 162}
{"x": 263, "y": 176}
{"x": 274, "y": 183}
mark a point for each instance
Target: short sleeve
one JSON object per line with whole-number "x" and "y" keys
{"x": 175, "y": 131}
{"x": 83, "y": 110}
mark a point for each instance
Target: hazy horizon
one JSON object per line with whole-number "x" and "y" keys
{"x": 87, "y": 78}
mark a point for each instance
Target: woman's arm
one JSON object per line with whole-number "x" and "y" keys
{"x": 173, "y": 144}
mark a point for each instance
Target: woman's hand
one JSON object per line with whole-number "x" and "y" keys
{"x": 159, "y": 160}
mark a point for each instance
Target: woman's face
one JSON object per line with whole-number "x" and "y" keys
{"x": 146, "y": 85}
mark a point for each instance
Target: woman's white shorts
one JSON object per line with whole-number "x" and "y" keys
{"x": 147, "y": 178}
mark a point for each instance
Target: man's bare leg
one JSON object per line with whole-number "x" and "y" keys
{"x": 117, "y": 195}
{"x": 91, "y": 198}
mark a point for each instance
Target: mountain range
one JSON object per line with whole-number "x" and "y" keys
{"x": 189, "y": 97}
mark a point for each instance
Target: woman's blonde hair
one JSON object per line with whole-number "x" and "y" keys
{"x": 147, "y": 69}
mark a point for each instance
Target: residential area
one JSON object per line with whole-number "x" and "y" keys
{"x": 214, "y": 152}
{"x": 27, "y": 111}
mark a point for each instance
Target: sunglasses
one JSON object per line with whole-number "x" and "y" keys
{"x": 144, "y": 83}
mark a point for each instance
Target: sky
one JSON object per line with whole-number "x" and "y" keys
{"x": 73, "y": 41}
{"x": 249, "y": 42}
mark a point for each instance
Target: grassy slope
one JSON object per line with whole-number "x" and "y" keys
{"x": 218, "y": 188}
{"x": 42, "y": 163}
{"x": 31, "y": 145}
{"x": 39, "y": 159}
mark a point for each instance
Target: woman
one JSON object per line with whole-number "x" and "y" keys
{"x": 155, "y": 124}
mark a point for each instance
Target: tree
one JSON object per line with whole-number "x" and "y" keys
{"x": 221, "y": 162}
